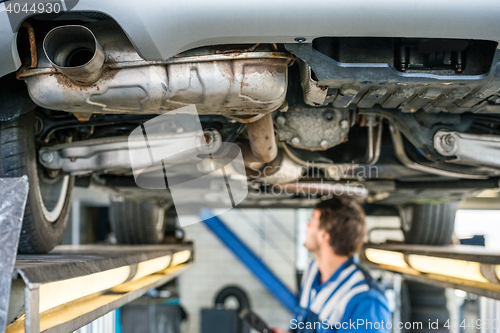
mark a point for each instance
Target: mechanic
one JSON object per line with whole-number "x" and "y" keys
{"x": 337, "y": 295}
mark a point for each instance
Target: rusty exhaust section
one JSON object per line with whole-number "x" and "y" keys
{"x": 34, "y": 58}
{"x": 74, "y": 51}
{"x": 95, "y": 69}
{"x": 262, "y": 148}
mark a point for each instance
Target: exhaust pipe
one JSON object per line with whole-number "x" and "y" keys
{"x": 262, "y": 147}
{"x": 74, "y": 51}
{"x": 262, "y": 159}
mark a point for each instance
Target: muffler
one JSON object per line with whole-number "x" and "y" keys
{"x": 117, "y": 80}
{"x": 74, "y": 51}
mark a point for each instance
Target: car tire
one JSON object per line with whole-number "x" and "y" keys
{"x": 428, "y": 224}
{"x": 137, "y": 222}
{"x": 428, "y": 305}
{"x": 428, "y": 299}
{"x": 405, "y": 308}
{"x": 232, "y": 291}
{"x": 48, "y": 204}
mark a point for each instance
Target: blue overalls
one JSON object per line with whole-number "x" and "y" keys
{"x": 350, "y": 301}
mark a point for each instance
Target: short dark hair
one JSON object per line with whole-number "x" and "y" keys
{"x": 344, "y": 220}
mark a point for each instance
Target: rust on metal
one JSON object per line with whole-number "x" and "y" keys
{"x": 250, "y": 49}
{"x": 56, "y": 42}
{"x": 82, "y": 116}
{"x": 262, "y": 140}
{"x": 361, "y": 120}
{"x": 32, "y": 41}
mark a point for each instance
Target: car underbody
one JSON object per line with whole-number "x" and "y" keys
{"x": 397, "y": 119}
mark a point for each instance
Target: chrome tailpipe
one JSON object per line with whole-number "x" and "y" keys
{"x": 74, "y": 51}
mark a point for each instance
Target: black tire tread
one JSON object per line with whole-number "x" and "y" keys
{"x": 427, "y": 300}
{"x": 18, "y": 158}
{"x": 427, "y": 303}
{"x": 432, "y": 224}
{"x": 416, "y": 288}
{"x": 134, "y": 222}
{"x": 424, "y": 314}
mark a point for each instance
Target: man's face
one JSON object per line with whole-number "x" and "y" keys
{"x": 313, "y": 232}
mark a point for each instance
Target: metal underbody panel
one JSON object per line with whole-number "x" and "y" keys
{"x": 365, "y": 85}
{"x": 161, "y": 29}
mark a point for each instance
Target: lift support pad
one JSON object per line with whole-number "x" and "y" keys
{"x": 72, "y": 286}
{"x": 13, "y": 194}
{"x": 472, "y": 269}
